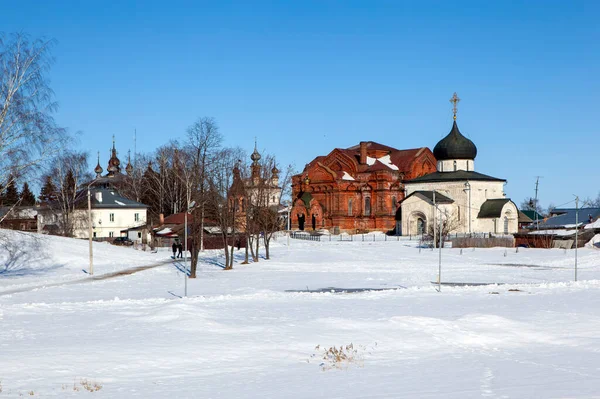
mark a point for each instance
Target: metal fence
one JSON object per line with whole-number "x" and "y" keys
{"x": 378, "y": 237}
{"x": 349, "y": 237}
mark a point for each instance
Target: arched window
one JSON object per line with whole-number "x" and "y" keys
{"x": 367, "y": 206}
{"x": 350, "y": 207}
{"x": 394, "y": 203}
{"x": 455, "y": 166}
{"x": 505, "y": 225}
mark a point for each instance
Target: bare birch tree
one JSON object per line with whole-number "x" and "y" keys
{"x": 28, "y": 131}
{"x": 204, "y": 139}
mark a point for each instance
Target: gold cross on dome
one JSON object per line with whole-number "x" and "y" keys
{"x": 454, "y": 100}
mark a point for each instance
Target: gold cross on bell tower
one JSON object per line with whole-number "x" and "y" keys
{"x": 454, "y": 100}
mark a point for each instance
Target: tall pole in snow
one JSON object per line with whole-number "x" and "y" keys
{"x": 185, "y": 256}
{"x": 576, "y": 231}
{"x": 440, "y": 257}
{"x": 433, "y": 224}
{"x": 89, "y": 195}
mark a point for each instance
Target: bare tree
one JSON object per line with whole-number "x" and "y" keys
{"x": 204, "y": 139}
{"x": 218, "y": 199}
{"x": 69, "y": 172}
{"x": 28, "y": 131}
{"x": 531, "y": 204}
{"x": 449, "y": 222}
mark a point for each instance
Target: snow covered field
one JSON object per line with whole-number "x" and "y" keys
{"x": 252, "y": 332}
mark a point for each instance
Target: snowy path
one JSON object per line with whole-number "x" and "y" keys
{"x": 105, "y": 276}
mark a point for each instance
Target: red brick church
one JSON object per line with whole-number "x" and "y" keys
{"x": 357, "y": 188}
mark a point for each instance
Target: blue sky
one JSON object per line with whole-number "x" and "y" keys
{"x": 307, "y": 76}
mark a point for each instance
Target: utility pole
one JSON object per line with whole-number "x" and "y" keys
{"x": 535, "y": 204}
{"x": 434, "y": 215}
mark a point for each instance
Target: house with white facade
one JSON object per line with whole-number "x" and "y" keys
{"x": 472, "y": 201}
{"x": 112, "y": 215}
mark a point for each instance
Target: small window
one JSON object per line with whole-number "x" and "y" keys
{"x": 94, "y": 234}
{"x": 111, "y": 217}
{"x": 136, "y": 217}
{"x": 367, "y": 206}
{"x": 139, "y": 234}
{"x": 111, "y": 234}
{"x": 349, "y": 207}
{"x": 455, "y": 166}
{"x": 394, "y": 202}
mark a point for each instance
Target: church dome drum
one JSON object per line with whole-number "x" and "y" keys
{"x": 455, "y": 146}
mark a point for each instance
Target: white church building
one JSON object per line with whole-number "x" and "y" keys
{"x": 471, "y": 201}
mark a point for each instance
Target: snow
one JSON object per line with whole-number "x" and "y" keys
{"x": 594, "y": 225}
{"x": 554, "y": 232}
{"x": 253, "y": 332}
{"x": 166, "y": 231}
{"x": 119, "y": 203}
{"x": 347, "y": 176}
{"x": 387, "y": 161}
{"x": 594, "y": 242}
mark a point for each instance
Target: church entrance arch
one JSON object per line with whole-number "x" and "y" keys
{"x": 418, "y": 223}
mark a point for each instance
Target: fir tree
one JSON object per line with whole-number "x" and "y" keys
{"x": 48, "y": 193}
{"x": 11, "y": 195}
{"x": 27, "y": 197}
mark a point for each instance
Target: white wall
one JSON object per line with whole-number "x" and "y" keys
{"x": 103, "y": 226}
{"x": 461, "y": 164}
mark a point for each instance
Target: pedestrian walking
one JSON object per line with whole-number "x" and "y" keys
{"x": 180, "y": 249}
{"x": 174, "y": 247}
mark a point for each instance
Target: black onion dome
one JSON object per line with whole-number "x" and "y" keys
{"x": 455, "y": 146}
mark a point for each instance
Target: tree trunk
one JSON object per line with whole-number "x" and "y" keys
{"x": 257, "y": 242}
{"x": 267, "y": 240}
{"x": 202, "y": 227}
{"x": 193, "y": 261}
{"x": 226, "y": 249}
{"x": 250, "y": 244}
{"x": 246, "y": 250}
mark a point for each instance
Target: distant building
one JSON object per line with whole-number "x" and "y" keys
{"x": 23, "y": 218}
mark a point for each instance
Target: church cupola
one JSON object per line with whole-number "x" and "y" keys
{"x": 114, "y": 162}
{"x": 455, "y": 151}
{"x": 98, "y": 169}
{"x": 255, "y": 157}
{"x": 275, "y": 176}
{"x": 129, "y": 167}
